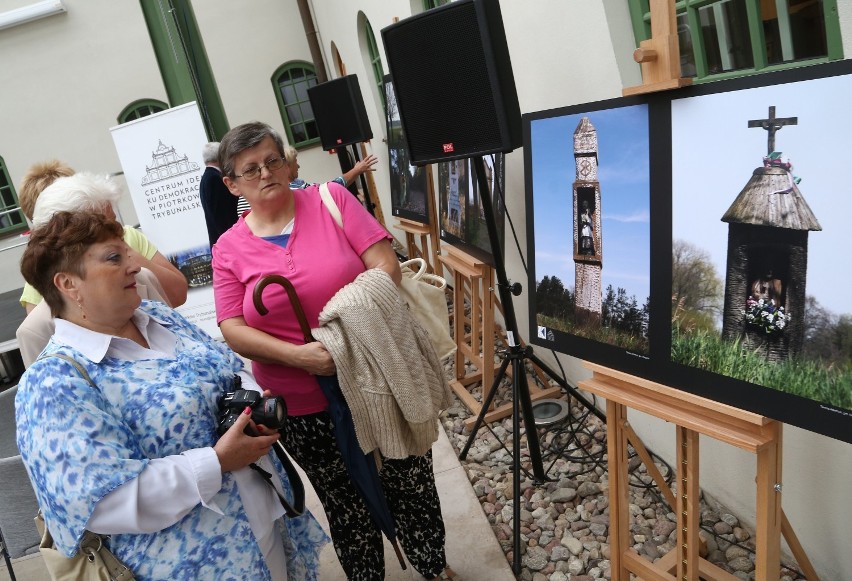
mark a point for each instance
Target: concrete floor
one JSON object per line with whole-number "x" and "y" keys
{"x": 472, "y": 549}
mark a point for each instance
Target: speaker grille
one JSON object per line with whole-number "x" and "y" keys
{"x": 448, "y": 81}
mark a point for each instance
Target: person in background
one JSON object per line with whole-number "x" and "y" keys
{"x": 220, "y": 207}
{"x": 86, "y": 192}
{"x": 132, "y": 451}
{"x": 296, "y": 183}
{"x": 37, "y": 178}
{"x": 292, "y": 233}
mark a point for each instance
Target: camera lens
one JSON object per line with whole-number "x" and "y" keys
{"x": 272, "y": 413}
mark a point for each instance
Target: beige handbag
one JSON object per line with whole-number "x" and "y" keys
{"x": 93, "y": 562}
{"x": 424, "y": 293}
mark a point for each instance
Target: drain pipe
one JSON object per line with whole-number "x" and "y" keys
{"x": 313, "y": 40}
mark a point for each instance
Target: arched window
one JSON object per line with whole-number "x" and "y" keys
{"x": 291, "y": 82}
{"x": 375, "y": 61}
{"x": 11, "y": 216}
{"x": 141, "y": 108}
{"x": 430, "y": 4}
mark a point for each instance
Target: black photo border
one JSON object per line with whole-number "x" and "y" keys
{"x": 658, "y": 366}
{"x": 402, "y": 144}
{"x": 641, "y": 364}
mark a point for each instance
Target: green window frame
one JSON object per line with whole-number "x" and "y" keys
{"x": 12, "y": 217}
{"x": 141, "y": 108}
{"x": 729, "y": 38}
{"x": 375, "y": 62}
{"x": 291, "y": 82}
{"x": 430, "y": 4}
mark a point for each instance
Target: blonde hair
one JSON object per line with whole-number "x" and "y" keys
{"x": 37, "y": 178}
{"x": 290, "y": 154}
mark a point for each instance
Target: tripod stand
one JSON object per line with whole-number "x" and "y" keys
{"x": 516, "y": 355}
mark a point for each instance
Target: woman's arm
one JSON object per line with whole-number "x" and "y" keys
{"x": 259, "y": 346}
{"x": 360, "y": 167}
{"x": 173, "y": 281}
{"x": 381, "y": 255}
{"x": 168, "y": 488}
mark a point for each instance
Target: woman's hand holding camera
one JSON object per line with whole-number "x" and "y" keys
{"x": 235, "y": 449}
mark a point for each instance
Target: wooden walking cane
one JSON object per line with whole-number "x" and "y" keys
{"x": 257, "y": 299}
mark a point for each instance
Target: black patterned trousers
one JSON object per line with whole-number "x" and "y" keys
{"x": 409, "y": 486}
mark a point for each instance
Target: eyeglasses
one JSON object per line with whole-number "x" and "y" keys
{"x": 253, "y": 173}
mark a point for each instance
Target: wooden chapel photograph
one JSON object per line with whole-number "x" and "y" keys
{"x": 759, "y": 226}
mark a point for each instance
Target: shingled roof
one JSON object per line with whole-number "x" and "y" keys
{"x": 771, "y": 198}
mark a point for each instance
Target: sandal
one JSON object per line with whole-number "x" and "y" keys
{"x": 449, "y": 575}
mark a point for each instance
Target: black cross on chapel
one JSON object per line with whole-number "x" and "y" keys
{"x": 772, "y": 125}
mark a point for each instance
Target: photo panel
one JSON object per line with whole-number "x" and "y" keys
{"x": 761, "y": 317}
{"x": 462, "y": 213}
{"x": 589, "y": 212}
{"x": 409, "y": 184}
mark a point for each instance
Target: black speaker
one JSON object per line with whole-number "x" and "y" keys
{"x": 339, "y": 112}
{"x": 454, "y": 84}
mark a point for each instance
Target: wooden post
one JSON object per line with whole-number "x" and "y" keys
{"x": 371, "y": 186}
{"x": 692, "y": 416}
{"x": 659, "y": 56}
{"x": 473, "y": 280}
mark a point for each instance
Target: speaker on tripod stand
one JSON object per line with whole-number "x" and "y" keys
{"x": 457, "y": 99}
{"x": 342, "y": 122}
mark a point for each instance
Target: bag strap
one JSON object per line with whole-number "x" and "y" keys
{"x": 295, "y": 482}
{"x": 73, "y": 362}
{"x": 331, "y": 205}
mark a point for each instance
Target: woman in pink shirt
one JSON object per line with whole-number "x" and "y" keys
{"x": 291, "y": 233}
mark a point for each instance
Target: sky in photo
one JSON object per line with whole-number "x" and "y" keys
{"x": 714, "y": 153}
{"x": 624, "y": 181}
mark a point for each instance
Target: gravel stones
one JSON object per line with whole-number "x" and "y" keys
{"x": 565, "y": 520}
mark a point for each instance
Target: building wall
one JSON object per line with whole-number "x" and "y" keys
{"x": 245, "y": 45}
{"x": 564, "y": 52}
{"x": 64, "y": 89}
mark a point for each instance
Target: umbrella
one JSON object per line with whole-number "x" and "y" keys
{"x": 361, "y": 467}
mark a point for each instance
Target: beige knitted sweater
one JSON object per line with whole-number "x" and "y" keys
{"x": 388, "y": 370}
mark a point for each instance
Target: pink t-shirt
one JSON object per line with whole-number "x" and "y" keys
{"x": 319, "y": 260}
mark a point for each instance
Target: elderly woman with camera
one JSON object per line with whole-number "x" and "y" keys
{"x": 291, "y": 232}
{"x": 117, "y": 426}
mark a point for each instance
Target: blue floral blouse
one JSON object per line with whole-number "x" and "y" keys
{"x": 80, "y": 443}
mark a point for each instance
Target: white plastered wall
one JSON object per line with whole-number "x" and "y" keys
{"x": 245, "y": 47}
{"x": 64, "y": 81}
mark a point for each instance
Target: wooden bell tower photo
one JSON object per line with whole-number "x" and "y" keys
{"x": 588, "y": 247}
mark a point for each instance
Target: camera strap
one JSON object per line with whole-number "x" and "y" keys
{"x": 295, "y": 482}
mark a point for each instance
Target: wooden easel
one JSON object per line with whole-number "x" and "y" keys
{"x": 428, "y": 248}
{"x": 692, "y": 416}
{"x": 473, "y": 280}
{"x": 659, "y": 56}
{"x": 371, "y": 186}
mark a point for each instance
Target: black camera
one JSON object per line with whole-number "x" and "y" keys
{"x": 267, "y": 411}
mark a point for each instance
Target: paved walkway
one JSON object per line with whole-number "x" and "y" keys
{"x": 472, "y": 549}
